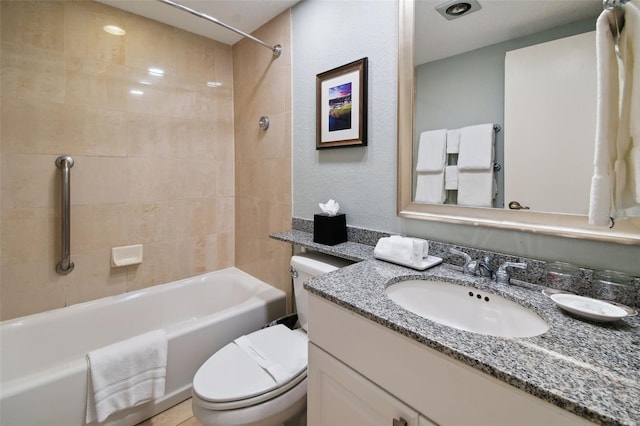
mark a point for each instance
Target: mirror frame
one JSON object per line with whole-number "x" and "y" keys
{"x": 563, "y": 225}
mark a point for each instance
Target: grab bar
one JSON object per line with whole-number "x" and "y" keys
{"x": 64, "y": 163}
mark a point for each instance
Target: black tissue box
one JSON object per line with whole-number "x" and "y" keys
{"x": 329, "y": 230}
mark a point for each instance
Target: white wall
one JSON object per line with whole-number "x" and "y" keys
{"x": 330, "y": 33}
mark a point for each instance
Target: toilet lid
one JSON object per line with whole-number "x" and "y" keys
{"x": 253, "y": 365}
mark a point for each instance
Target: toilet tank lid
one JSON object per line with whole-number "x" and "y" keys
{"x": 315, "y": 263}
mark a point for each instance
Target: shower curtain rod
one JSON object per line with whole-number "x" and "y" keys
{"x": 276, "y": 50}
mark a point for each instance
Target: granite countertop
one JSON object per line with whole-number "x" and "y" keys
{"x": 591, "y": 369}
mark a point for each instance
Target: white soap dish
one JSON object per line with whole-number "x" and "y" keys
{"x": 421, "y": 265}
{"x": 126, "y": 255}
{"x": 586, "y": 307}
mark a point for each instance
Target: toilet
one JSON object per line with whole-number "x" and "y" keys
{"x": 261, "y": 378}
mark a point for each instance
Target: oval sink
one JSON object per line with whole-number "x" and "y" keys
{"x": 466, "y": 308}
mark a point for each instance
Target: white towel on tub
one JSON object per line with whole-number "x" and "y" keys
{"x": 126, "y": 374}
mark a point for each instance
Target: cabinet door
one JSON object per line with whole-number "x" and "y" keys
{"x": 338, "y": 396}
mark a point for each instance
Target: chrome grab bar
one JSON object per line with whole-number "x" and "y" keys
{"x": 64, "y": 163}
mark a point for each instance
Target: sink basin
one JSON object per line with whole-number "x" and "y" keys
{"x": 466, "y": 308}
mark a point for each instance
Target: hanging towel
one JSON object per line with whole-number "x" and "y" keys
{"x": 476, "y": 189}
{"x": 615, "y": 185}
{"x": 453, "y": 141}
{"x": 631, "y": 46}
{"x": 601, "y": 196}
{"x": 432, "y": 151}
{"x": 126, "y": 374}
{"x": 430, "y": 188}
{"x": 476, "y": 148}
{"x": 451, "y": 177}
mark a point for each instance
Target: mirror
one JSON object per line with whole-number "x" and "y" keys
{"x": 455, "y": 38}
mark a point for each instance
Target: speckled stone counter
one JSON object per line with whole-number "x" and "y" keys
{"x": 588, "y": 368}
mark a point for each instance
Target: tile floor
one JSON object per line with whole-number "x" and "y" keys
{"x": 178, "y": 415}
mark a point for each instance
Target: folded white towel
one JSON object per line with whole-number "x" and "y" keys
{"x": 476, "y": 189}
{"x": 453, "y": 141}
{"x": 279, "y": 373}
{"x": 405, "y": 250}
{"x": 430, "y": 188}
{"x": 451, "y": 177}
{"x": 126, "y": 374}
{"x": 395, "y": 247}
{"x": 476, "y": 148}
{"x": 432, "y": 154}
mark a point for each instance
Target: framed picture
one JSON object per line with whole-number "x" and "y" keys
{"x": 341, "y": 106}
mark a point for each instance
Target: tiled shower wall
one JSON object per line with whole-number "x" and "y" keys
{"x": 155, "y": 169}
{"x": 262, "y": 87}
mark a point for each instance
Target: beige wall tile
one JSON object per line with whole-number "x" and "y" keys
{"x": 99, "y": 180}
{"x": 32, "y": 73}
{"x": 35, "y": 23}
{"x": 29, "y": 181}
{"x": 30, "y": 286}
{"x": 161, "y": 169}
{"x": 147, "y": 168}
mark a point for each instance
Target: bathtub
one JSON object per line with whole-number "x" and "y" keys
{"x": 43, "y": 369}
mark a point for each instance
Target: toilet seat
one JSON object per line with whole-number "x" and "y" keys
{"x": 252, "y": 369}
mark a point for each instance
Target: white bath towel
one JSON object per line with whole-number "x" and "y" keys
{"x": 615, "y": 186}
{"x": 632, "y": 83}
{"x": 126, "y": 374}
{"x": 476, "y": 148}
{"x": 432, "y": 154}
{"x": 453, "y": 141}
{"x": 430, "y": 188}
{"x": 451, "y": 177}
{"x": 476, "y": 189}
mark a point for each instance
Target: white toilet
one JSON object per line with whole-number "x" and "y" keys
{"x": 261, "y": 378}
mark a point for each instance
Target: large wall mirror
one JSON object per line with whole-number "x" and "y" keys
{"x": 526, "y": 69}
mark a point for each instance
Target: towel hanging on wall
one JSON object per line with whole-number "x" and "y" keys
{"x": 615, "y": 185}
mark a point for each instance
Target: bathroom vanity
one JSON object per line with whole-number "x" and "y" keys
{"x": 373, "y": 362}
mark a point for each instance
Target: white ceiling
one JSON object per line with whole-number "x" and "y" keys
{"x": 496, "y": 21}
{"x": 437, "y": 38}
{"x": 245, "y": 15}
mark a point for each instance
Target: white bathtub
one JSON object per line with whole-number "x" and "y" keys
{"x": 43, "y": 369}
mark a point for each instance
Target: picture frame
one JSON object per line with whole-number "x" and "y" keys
{"x": 341, "y": 106}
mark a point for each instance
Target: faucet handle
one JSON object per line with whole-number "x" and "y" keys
{"x": 470, "y": 266}
{"x": 502, "y": 275}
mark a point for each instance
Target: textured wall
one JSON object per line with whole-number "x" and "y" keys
{"x": 326, "y": 35}
{"x": 155, "y": 169}
{"x": 262, "y": 87}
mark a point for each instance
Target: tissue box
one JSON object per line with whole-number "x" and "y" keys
{"x": 329, "y": 230}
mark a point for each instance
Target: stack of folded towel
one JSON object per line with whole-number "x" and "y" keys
{"x": 432, "y": 157}
{"x": 476, "y": 184}
{"x": 126, "y": 374}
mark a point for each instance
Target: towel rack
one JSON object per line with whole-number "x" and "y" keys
{"x": 618, "y": 21}
{"x": 64, "y": 163}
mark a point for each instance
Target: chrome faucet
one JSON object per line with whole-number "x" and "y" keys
{"x": 470, "y": 266}
{"x": 502, "y": 274}
{"x": 484, "y": 268}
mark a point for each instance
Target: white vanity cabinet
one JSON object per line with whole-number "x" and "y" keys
{"x": 340, "y": 396}
{"x": 361, "y": 373}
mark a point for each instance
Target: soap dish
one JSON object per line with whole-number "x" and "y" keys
{"x": 586, "y": 307}
{"x": 630, "y": 311}
{"x": 421, "y": 265}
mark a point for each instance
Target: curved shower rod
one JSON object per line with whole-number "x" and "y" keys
{"x": 276, "y": 50}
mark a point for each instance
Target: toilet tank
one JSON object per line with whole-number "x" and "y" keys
{"x": 305, "y": 266}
